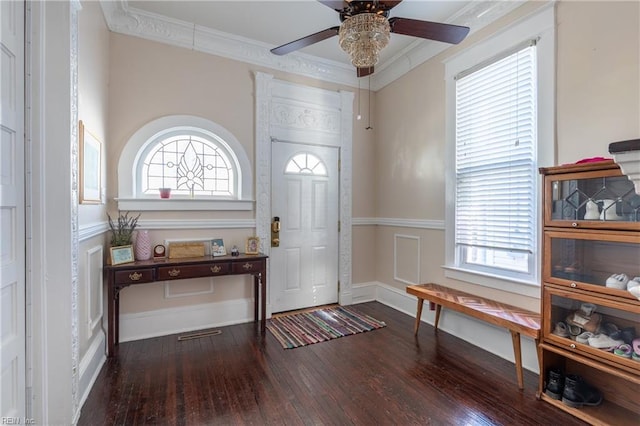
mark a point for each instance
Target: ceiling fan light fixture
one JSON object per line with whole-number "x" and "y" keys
{"x": 363, "y": 36}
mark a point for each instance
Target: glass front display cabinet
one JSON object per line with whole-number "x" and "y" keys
{"x": 590, "y": 313}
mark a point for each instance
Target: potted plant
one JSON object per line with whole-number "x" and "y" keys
{"x": 122, "y": 230}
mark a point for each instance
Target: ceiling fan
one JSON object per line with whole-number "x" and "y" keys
{"x": 365, "y": 31}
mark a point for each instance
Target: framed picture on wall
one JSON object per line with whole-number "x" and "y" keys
{"x": 90, "y": 167}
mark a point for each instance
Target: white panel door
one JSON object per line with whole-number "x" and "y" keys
{"x": 304, "y": 195}
{"x": 12, "y": 212}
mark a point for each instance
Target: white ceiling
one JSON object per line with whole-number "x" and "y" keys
{"x": 279, "y": 22}
{"x": 246, "y": 30}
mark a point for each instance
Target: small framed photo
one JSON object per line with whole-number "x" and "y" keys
{"x": 121, "y": 254}
{"x": 217, "y": 247}
{"x": 90, "y": 167}
{"x": 253, "y": 245}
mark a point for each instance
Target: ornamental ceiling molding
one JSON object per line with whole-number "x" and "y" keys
{"x": 123, "y": 19}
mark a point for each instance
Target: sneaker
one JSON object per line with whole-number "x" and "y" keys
{"x": 561, "y": 330}
{"x": 577, "y": 392}
{"x": 618, "y": 281}
{"x": 633, "y": 283}
{"x": 584, "y": 337}
{"x": 624, "y": 350}
{"x": 588, "y": 323}
{"x": 602, "y": 341}
{"x": 635, "y": 291}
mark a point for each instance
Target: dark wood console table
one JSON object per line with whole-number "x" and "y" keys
{"x": 148, "y": 271}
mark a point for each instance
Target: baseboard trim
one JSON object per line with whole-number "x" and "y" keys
{"x": 90, "y": 366}
{"x": 476, "y": 332}
{"x": 162, "y": 322}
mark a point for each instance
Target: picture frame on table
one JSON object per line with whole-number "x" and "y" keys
{"x": 217, "y": 247}
{"x": 121, "y": 254}
{"x": 90, "y": 167}
{"x": 253, "y": 246}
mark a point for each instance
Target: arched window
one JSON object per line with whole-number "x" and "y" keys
{"x": 202, "y": 163}
{"x": 306, "y": 163}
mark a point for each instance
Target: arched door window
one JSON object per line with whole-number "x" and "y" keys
{"x": 306, "y": 163}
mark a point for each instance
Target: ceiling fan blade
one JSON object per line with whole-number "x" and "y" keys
{"x": 430, "y": 30}
{"x": 305, "y": 41}
{"x": 337, "y": 5}
{"x": 388, "y": 5}
{"x": 363, "y": 72}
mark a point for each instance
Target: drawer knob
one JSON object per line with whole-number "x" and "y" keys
{"x": 174, "y": 272}
{"x": 574, "y": 285}
{"x": 135, "y": 276}
{"x": 216, "y": 269}
{"x": 247, "y": 266}
{"x": 572, "y": 346}
{"x": 574, "y": 224}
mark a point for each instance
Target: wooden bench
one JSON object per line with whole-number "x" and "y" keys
{"x": 516, "y": 320}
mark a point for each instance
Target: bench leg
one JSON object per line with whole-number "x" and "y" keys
{"x": 438, "y": 309}
{"x": 418, "y": 316}
{"x": 515, "y": 337}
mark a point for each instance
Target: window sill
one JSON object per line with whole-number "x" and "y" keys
{"x": 158, "y": 204}
{"x": 524, "y": 288}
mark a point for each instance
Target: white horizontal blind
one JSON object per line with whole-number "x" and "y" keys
{"x": 495, "y": 154}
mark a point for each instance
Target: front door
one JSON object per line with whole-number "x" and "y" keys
{"x": 12, "y": 213}
{"x": 304, "y": 196}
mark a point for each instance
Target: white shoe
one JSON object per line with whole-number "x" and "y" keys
{"x": 633, "y": 283}
{"x": 602, "y": 341}
{"x": 635, "y": 291}
{"x": 618, "y": 281}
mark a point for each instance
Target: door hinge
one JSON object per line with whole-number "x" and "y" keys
{"x": 339, "y": 226}
{"x": 339, "y": 165}
{"x": 338, "y": 286}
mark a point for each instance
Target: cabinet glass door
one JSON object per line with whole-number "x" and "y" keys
{"x": 594, "y": 327}
{"x": 603, "y": 200}
{"x": 593, "y": 261}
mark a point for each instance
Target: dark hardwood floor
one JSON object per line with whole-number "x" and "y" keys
{"x": 383, "y": 377}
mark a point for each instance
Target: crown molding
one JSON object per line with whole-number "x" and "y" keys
{"x": 123, "y": 19}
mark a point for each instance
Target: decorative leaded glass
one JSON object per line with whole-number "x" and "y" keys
{"x": 189, "y": 165}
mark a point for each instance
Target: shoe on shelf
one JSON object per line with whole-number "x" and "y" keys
{"x": 587, "y": 309}
{"x": 574, "y": 331}
{"x": 602, "y": 341}
{"x": 636, "y": 347}
{"x": 588, "y": 323}
{"x": 561, "y": 330}
{"x": 635, "y": 282}
{"x": 584, "y": 337}
{"x": 577, "y": 392}
{"x": 555, "y": 383}
{"x": 626, "y": 334}
{"x": 623, "y": 350}
{"x": 635, "y": 291}
{"x": 618, "y": 281}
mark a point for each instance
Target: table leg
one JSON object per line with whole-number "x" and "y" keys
{"x": 438, "y": 310}
{"x": 110, "y": 318}
{"x": 515, "y": 336}
{"x": 256, "y": 292}
{"x": 418, "y": 316}
{"x": 263, "y": 279}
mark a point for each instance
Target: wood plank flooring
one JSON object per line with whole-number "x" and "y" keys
{"x": 383, "y": 377}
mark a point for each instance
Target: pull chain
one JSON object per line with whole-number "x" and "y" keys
{"x": 359, "y": 116}
{"x": 369, "y": 126}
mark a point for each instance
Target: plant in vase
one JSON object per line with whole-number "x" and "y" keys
{"x": 122, "y": 230}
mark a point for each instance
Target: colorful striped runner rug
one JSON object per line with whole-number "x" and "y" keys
{"x": 307, "y": 328}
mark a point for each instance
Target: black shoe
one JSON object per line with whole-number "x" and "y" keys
{"x": 555, "y": 383}
{"x": 577, "y": 392}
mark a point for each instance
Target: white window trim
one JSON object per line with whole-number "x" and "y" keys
{"x": 541, "y": 26}
{"x": 128, "y": 199}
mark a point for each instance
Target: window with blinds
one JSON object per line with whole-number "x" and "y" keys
{"x": 495, "y": 164}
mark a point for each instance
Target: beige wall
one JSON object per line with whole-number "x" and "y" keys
{"x": 149, "y": 80}
{"x": 598, "y": 102}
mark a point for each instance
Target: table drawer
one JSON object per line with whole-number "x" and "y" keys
{"x": 192, "y": 271}
{"x": 134, "y": 277}
{"x": 247, "y": 267}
